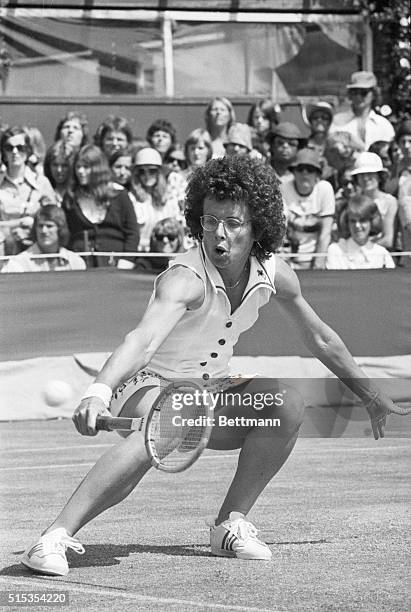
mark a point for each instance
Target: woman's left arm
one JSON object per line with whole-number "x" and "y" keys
{"x": 323, "y": 241}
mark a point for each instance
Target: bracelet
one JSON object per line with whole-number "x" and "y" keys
{"x": 101, "y": 391}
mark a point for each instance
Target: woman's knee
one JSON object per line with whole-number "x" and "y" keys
{"x": 292, "y": 410}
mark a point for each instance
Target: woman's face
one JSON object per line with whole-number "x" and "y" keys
{"x": 260, "y": 122}
{"x": 368, "y": 181}
{"x": 72, "y": 132}
{"x": 60, "y": 169}
{"x": 197, "y": 153}
{"x": 146, "y": 175}
{"x": 284, "y": 149}
{"x": 83, "y": 173}
{"x": 219, "y": 114}
{"x": 15, "y": 151}
{"x": 121, "y": 170}
{"x": 47, "y": 235}
{"x": 226, "y": 248}
{"x": 359, "y": 228}
{"x": 161, "y": 141}
{"x": 114, "y": 141}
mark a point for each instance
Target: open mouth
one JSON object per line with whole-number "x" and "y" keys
{"x": 221, "y": 250}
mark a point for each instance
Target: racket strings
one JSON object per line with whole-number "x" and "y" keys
{"x": 178, "y": 435}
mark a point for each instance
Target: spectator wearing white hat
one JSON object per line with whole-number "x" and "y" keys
{"x": 368, "y": 174}
{"x": 310, "y": 208}
{"x": 154, "y": 201}
{"x": 361, "y": 120}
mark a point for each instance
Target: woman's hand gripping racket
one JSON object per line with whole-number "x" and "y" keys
{"x": 177, "y": 428}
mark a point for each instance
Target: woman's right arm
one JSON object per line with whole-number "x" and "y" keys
{"x": 178, "y": 290}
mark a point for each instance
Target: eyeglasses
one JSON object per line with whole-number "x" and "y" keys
{"x": 359, "y": 92}
{"x": 147, "y": 171}
{"x": 170, "y": 237}
{"x": 231, "y": 225}
{"x": 304, "y": 168}
{"x": 9, "y": 148}
{"x": 290, "y": 142}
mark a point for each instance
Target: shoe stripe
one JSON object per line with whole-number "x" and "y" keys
{"x": 231, "y": 542}
{"x": 223, "y": 543}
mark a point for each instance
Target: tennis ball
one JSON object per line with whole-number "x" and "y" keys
{"x": 57, "y": 392}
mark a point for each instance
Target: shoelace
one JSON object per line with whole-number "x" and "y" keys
{"x": 243, "y": 529}
{"x": 63, "y": 544}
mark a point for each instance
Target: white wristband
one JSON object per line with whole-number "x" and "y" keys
{"x": 101, "y": 391}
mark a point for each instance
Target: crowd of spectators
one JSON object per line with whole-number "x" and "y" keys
{"x": 346, "y": 186}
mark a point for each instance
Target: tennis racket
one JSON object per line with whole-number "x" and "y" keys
{"x": 177, "y": 427}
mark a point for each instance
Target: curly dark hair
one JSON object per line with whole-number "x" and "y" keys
{"x": 240, "y": 178}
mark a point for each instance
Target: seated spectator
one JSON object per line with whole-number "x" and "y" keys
{"x": 38, "y": 148}
{"x": 120, "y": 163}
{"x": 368, "y": 174}
{"x": 310, "y": 207}
{"x": 284, "y": 139}
{"x": 404, "y": 214}
{"x": 162, "y": 136}
{"x": 113, "y": 134}
{"x": 20, "y": 191}
{"x": 219, "y": 117}
{"x": 99, "y": 217}
{"x": 403, "y": 139}
{"x": 361, "y": 120}
{"x": 152, "y": 194}
{"x": 341, "y": 151}
{"x": 197, "y": 149}
{"x": 238, "y": 140}
{"x": 176, "y": 161}
{"x": 58, "y": 168}
{"x": 356, "y": 250}
{"x": 319, "y": 117}
{"x": 262, "y": 116}
{"x": 50, "y": 235}
{"x": 73, "y": 129}
{"x": 167, "y": 237}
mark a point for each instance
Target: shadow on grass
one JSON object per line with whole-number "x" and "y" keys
{"x": 98, "y": 555}
{"x": 106, "y": 555}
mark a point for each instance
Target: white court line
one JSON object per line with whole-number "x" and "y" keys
{"x": 205, "y": 457}
{"x": 138, "y": 597}
{"x": 49, "y": 449}
{"x": 68, "y": 465}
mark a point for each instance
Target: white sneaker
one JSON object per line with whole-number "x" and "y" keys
{"x": 236, "y": 537}
{"x": 48, "y": 555}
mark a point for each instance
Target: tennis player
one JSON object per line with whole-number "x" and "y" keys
{"x": 199, "y": 307}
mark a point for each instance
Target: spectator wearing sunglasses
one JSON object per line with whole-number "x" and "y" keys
{"x": 361, "y": 120}
{"x": 167, "y": 237}
{"x": 310, "y": 208}
{"x": 284, "y": 139}
{"x": 154, "y": 198}
{"x": 20, "y": 191}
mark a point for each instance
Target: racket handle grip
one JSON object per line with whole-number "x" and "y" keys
{"x": 107, "y": 423}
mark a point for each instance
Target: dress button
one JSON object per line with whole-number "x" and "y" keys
{"x": 203, "y": 363}
{"x": 229, "y": 324}
{"x": 221, "y": 341}
{"x": 206, "y": 376}
{"x": 214, "y": 355}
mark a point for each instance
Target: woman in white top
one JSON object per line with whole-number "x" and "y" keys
{"x": 356, "y": 250}
{"x": 368, "y": 175}
{"x": 153, "y": 199}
